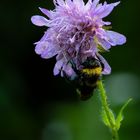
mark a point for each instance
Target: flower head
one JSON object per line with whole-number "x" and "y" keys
{"x": 76, "y": 31}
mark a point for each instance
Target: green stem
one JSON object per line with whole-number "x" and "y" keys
{"x": 107, "y": 110}
{"x": 115, "y": 135}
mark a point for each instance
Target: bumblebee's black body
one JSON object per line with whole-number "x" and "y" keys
{"x": 86, "y": 84}
{"x": 87, "y": 78}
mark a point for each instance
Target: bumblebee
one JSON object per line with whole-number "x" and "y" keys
{"x": 86, "y": 79}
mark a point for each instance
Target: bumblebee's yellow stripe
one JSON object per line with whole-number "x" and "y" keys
{"x": 93, "y": 71}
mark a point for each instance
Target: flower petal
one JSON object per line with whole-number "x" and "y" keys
{"x": 115, "y": 38}
{"x": 88, "y": 5}
{"x": 40, "y": 47}
{"x": 58, "y": 66}
{"x": 105, "y": 9}
{"x": 107, "y": 68}
{"x": 94, "y": 4}
{"x": 39, "y": 20}
{"x": 58, "y": 2}
{"x": 79, "y": 3}
{"x": 46, "y": 49}
{"x": 68, "y": 2}
{"x": 104, "y": 44}
{"x": 49, "y": 52}
{"x": 106, "y": 22}
{"x": 45, "y": 11}
{"x": 68, "y": 71}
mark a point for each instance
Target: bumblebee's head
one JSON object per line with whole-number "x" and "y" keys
{"x": 92, "y": 63}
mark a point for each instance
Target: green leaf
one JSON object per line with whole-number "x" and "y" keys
{"x": 120, "y": 115}
{"x": 105, "y": 118}
{"x": 108, "y": 120}
{"x": 107, "y": 27}
{"x": 112, "y": 117}
{"x": 101, "y": 49}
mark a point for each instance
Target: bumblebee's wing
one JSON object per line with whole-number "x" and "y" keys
{"x": 107, "y": 68}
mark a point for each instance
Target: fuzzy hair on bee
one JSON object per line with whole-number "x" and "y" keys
{"x": 86, "y": 79}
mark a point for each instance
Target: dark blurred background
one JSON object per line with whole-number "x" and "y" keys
{"x": 35, "y": 105}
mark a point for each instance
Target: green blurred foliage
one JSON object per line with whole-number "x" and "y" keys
{"x": 35, "y": 105}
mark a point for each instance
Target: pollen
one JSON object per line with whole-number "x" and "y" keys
{"x": 93, "y": 71}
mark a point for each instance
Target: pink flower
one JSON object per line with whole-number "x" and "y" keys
{"x": 76, "y": 32}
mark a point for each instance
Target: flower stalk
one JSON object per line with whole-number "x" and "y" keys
{"x": 108, "y": 117}
{"x": 107, "y": 111}
{"x": 115, "y": 135}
